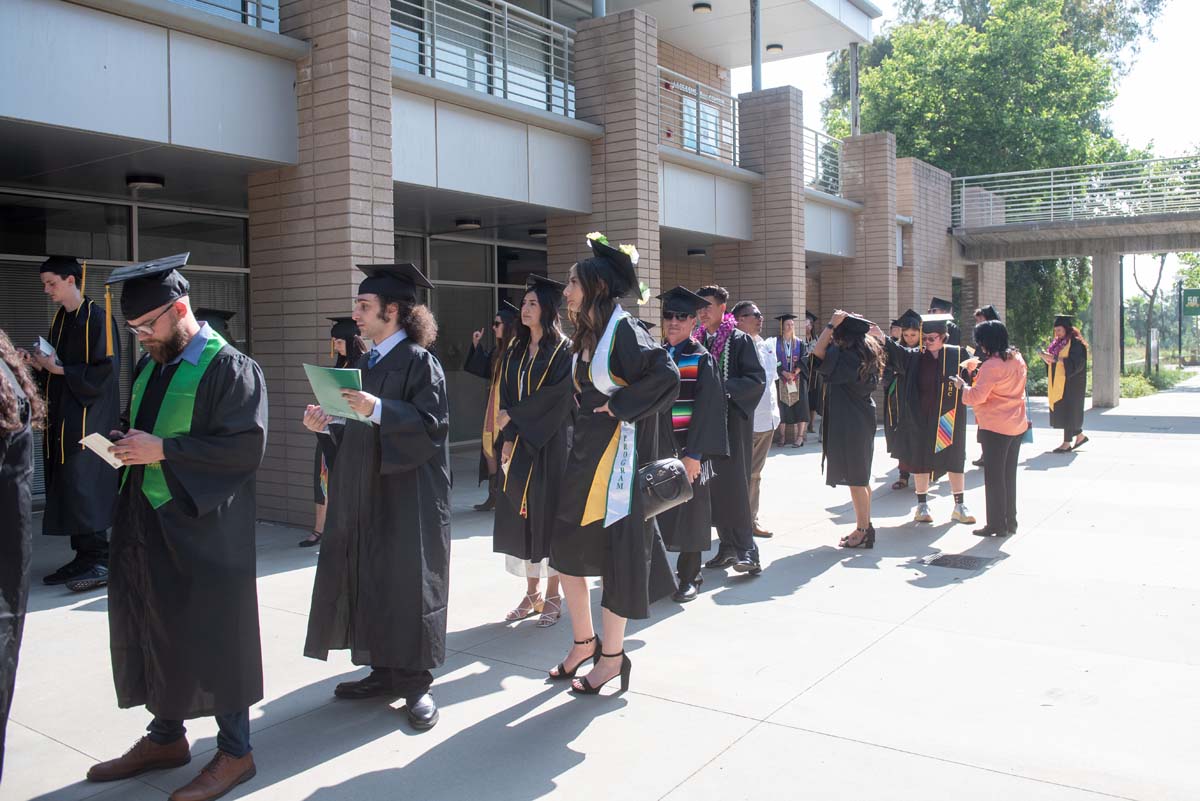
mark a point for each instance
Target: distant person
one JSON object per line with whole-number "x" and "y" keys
{"x": 906, "y": 332}
{"x": 791, "y": 357}
{"x": 21, "y": 412}
{"x": 998, "y": 398}
{"x": 1066, "y": 364}
{"x": 766, "y": 413}
{"x": 484, "y": 360}
{"x": 815, "y": 394}
{"x": 953, "y": 333}
{"x": 985, "y": 313}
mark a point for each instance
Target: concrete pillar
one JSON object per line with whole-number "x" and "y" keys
{"x": 616, "y": 86}
{"x": 770, "y": 269}
{"x": 311, "y": 223}
{"x": 1106, "y": 326}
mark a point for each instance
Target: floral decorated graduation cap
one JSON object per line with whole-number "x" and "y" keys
{"x": 622, "y": 260}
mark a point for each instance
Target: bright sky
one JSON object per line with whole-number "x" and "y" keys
{"x": 1149, "y": 107}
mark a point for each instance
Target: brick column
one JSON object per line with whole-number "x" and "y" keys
{"x": 616, "y": 86}
{"x": 311, "y": 223}
{"x": 923, "y": 193}
{"x": 867, "y": 284}
{"x": 770, "y": 269}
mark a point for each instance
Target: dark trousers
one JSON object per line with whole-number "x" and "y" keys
{"x": 1071, "y": 433}
{"x": 408, "y": 683}
{"x": 688, "y": 566}
{"x": 737, "y": 540}
{"x": 233, "y": 732}
{"x": 1000, "y": 454}
{"x": 92, "y": 548}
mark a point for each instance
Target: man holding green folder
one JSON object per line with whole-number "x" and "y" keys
{"x": 382, "y": 575}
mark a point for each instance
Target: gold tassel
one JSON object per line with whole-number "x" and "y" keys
{"x": 108, "y": 343}
{"x": 83, "y": 281}
{"x": 332, "y": 349}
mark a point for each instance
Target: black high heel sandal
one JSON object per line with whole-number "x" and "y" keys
{"x": 561, "y": 671}
{"x": 867, "y": 541}
{"x": 585, "y": 687}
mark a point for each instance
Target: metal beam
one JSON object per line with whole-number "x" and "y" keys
{"x": 598, "y": 9}
{"x": 756, "y": 46}
{"x": 854, "y": 122}
{"x": 1066, "y": 247}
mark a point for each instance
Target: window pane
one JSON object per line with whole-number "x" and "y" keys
{"x": 213, "y": 241}
{"x": 461, "y": 311}
{"x": 460, "y": 261}
{"x": 516, "y": 265}
{"x": 34, "y": 226}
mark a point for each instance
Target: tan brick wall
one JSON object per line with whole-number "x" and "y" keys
{"x": 690, "y": 273}
{"x": 679, "y": 60}
{"x": 616, "y": 86}
{"x": 311, "y": 223}
{"x": 923, "y": 193}
{"x": 770, "y": 269}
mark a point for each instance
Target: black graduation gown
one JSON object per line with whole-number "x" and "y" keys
{"x": 1067, "y": 413}
{"x": 816, "y": 395}
{"x": 891, "y": 411}
{"x": 81, "y": 489}
{"x": 848, "y": 427}
{"x": 953, "y": 334}
{"x": 324, "y": 453}
{"x": 798, "y": 412}
{"x": 688, "y": 527}
{"x": 628, "y": 555}
{"x": 182, "y": 600}
{"x": 744, "y": 385}
{"x": 917, "y": 434}
{"x": 16, "y": 545}
{"x": 479, "y": 363}
{"x": 383, "y": 573}
{"x": 538, "y": 399}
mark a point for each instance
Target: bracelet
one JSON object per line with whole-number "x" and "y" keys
{"x": 829, "y": 326}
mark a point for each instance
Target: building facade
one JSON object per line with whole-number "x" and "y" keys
{"x": 283, "y": 142}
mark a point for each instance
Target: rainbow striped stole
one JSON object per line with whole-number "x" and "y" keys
{"x": 681, "y": 410}
{"x": 945, "y": 431}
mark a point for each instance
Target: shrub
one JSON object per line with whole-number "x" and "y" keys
{"x": 1166, "y": 378}
{"x": 1135, "y": 385}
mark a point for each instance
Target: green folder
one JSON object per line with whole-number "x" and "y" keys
{"x": 328, "y": 383}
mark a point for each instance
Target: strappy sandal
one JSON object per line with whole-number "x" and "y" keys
{"x": 310, "y": 540}
{"x": 520, "y": 613}
{"x": 900, "y": 484}
{"x": 548, "y": 619}
{"x": 559, "y": 673}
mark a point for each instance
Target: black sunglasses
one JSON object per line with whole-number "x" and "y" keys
{"x": 756, "y": 314}
{"x": 497, "y": 323}
{"x": 675, "y": 315}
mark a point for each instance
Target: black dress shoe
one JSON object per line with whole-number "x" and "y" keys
{"x": 745, "y": 562}
{"x": 93, "y": 577}
{"x": 688, "y": 590}
{"x": 422, "y": 712}
{"x": 376, "y": 685}
{"x": 67, "y": 572}
{"x": 978, "y": 462}
{"x": 724, "y": 558}
{"x": 988, "y": 531}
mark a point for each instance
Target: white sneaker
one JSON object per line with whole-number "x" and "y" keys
{"x": 961, "y": 514}
{"x": 922, "y": 514}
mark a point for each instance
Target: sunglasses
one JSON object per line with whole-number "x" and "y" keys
{"x": 148, "y": 328}
{"x": 756, "y": 314}
{"x": 681, "y": 316}
{"x": 497, "y": 323}
{"x": 931, "y": 337}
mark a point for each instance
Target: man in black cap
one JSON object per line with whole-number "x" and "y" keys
{"x": 217, "y": 319}
{"x": 182, "y": 603}
{"x": 743, "y": 381}
{"x": 953, "y": 333}
{"x": 383, "y": 573}
{"x": 79, "y": 382}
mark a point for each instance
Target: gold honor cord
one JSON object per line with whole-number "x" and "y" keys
{"x": 517, "y": 441}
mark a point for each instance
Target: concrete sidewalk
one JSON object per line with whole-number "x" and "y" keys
{"x": 1068, "y": 667}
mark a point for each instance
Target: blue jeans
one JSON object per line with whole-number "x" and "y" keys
{"x": 233, "y": 735}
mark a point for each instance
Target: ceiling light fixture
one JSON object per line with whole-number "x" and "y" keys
{"x": 775, "y": 47}
{"x": 135, "y": 182}
{"x": 537, "y": 233}
{"x": 468, "y": 224}
{"x": 701, "y": 8}
{"x": 697, "y": 252}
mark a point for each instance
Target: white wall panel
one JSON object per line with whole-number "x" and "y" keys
{"x": 414, "y": 139}
{"x": 734, "y": 209}
{"x": 560, "y": 170}
{"x": 688, "y": 200}
{"x": 482, "y": 153}
{"x": 828, "y": 229}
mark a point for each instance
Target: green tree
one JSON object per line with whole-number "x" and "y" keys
{"x": 1189, "y": 269}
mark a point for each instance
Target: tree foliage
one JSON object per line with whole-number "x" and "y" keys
{"x": 1036, "y": 291}
{"x": 1189, "y": 270}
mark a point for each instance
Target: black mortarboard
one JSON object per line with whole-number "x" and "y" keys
{"x": 508, "y": 312}
{"x": 783, "y": 318}
{"x": 854, "y": 324}
{"x": 620, "y": 273}
{"x": 1065, "y": 320}
{"x": 811, "y": 316}
{"x": 938, "y": 304}
{"x": 910, "y": 319}
{"x": 536, "y": 281}
{"x": 645, "y": 324}
{"x": 343, "y": 328}
{"x": 149, "y": 285}
{"x": 217, "y": 319}
{"x": 989, "y": 312}
{"x": 681, "y": 300}
{"x": 398, "y": 281}
{"x": 63, "y": 266}
{"x": 935, "y": 323}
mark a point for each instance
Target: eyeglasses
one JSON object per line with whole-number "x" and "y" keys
{"x": 755, "y": 314}
{"x": 681, "y": 316}
{"x": 148, "y": 328}
{"x": 931, "y": 337}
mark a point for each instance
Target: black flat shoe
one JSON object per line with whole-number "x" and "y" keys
{"x": 688, "y": 591}
{"x": 376, "y": 685}
{"x": 70, "y": 570}
{"x": 1080, "y": 444}
{"x": 988, "y": 531}
{"x": 310, "y": 540}
{"x": 94, "y": 577}
{"x": 559, "y": 673}
{"x": 723, "y": 559}
{"x": 422, "y": 712}
{"x": 978, "y": 462}
{"x": 584, "y": 687}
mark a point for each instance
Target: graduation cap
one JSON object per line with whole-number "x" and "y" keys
{"x": 939, "y": 305}
{"x": 854, "y": 324}
{"x": 681, "y": 300}
{"x": 935, "y": 323}
{"x": 811, "y": 317}
{"x": 645, "y": 324}
{"x": 536, "y": 281}
{"x": 619, "y": 267}
{"x": 988, "y": 312}
{"x": 217, "y": 319}
{"x": 343, "y": 328}
{"x": 393, "y": 280}
{"x": 910, "y": 319}
{"x": 1065, "y": 320}
{"x": 783, "y": 318}
{"x": 65, "y": 266}
{"x": 508, "y": 312}
{"x": 147, "y": 286}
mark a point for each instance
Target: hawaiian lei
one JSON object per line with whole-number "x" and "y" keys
{"x": 724, "y": 331}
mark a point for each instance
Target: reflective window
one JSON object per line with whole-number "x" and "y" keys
{"x": 515, "y": 265}
{"x": 460, "y": 261}
{"x": 36, "y": 226}
{"x": 213, "y": 240}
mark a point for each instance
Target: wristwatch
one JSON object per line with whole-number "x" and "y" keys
{"x": 829, "y": 326}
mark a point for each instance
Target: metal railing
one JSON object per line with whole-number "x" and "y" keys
{"x": 1089, "y": 192}
{"x": 696, "y": 117}
{"x": 255, "y": 13}
{"x": 822, "y": 161}
{"x": 489, "y": 47}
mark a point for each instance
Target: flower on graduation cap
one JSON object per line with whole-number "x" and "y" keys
{"x": 631, "y": 252}
{"x": 643, "y": 289}
{"x": 596, "y": 236}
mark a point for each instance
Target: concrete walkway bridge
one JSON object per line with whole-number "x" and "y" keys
{"x": 1101, "y": 211}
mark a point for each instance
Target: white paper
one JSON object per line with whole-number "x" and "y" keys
{"x": 99, "y": 445}
{"x": 45, "y": 347}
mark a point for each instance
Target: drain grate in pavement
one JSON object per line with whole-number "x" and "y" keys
{"x": 958, "y": 561}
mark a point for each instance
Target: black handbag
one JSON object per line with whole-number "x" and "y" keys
{"x": 662, "y": 484}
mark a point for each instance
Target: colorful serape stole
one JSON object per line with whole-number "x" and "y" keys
{"x": 681, "y": 410}
{"x": 324, "y": 478}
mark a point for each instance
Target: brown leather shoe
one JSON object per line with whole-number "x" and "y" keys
{"x": 217, "y": 778}
{"x": 145, "y": 755}
{"x": 762, "y": 532}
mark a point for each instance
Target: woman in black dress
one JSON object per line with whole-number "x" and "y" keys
{"x": 852, "y": 362}
{"x": 21, "y": 410}
{"x": 624, "y": 380}
{"x": 536, "y": 400}
{"x": 485, "y": 362}
{"x": 1066, "y": 367}
{"x": 345, "y": 346}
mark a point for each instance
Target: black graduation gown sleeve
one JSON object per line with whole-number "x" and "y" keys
{"x": 88, "y": 381}
{"x": 412, "y": 431}
{"x": 538, "y": 417}
{"x": 657, "y": 378}
{"x": 479, "y": 362}
{"x": 747, "y": 379}
{"x": 707, "y": 433}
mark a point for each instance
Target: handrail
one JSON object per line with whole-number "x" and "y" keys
{"x": 696, "y": 117}
{"x": 822, "y": 161}
{"x": 255, "y": 13}
{"x": 489, "y": 47}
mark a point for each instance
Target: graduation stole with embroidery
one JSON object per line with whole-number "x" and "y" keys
{"x": 611, "y": 496}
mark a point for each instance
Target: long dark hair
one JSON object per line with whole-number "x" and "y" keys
{"x": 595, "y": 309}
{"x": 10, "y": 409}
{"x": 548, "y": 298}
{"x": 416, "y": 319}
{"x": 355, "y": 348}
{"x": 991, "y": 337}
{"x": 1076, "y": 335}
{"x": 869, "y": 351}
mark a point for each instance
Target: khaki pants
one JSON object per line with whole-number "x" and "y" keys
{"x": 758, "y": 460}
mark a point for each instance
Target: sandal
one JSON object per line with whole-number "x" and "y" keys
{"x": 549, "y": 618}
{"x": 534, "y": 599}
{"x": 1064, "y": 448}
{"x": 310, "y": 540}
{"x": 900, "y": 484}
{"x": 1080, "y": 444}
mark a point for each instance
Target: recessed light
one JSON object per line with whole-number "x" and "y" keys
{"x": 468, "y": 224}
{"x": 135, "y": 182}
{"x": 775, "y": 47}
{"x": 701, "y": 8}
{"x": 697, "y": 252}
{"x": 537, "y": 233}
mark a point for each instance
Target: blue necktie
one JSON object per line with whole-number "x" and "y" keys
{"x": 372, "y": 358}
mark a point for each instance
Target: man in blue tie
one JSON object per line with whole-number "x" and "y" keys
{"x": 382, "y": 575}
